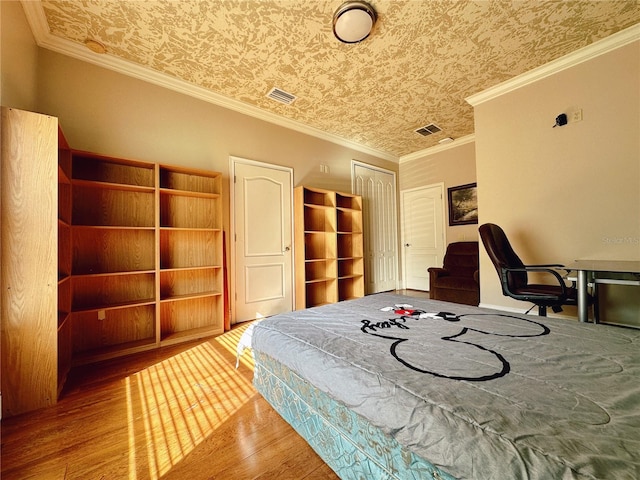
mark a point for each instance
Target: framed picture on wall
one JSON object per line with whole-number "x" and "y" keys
{"x": 463, "y": 204}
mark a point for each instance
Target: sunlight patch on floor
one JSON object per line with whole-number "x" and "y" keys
{"x": 176, "y": 404}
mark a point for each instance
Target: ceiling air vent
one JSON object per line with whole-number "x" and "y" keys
{"x": 428, "y": 129}
{"x": 281, "y": 96}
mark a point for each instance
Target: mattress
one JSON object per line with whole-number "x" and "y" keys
{"x": 479, "y": 394}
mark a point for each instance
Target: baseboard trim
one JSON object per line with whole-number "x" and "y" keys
{"x": 533, "y": 312}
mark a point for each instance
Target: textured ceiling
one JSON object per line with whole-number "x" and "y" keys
{"x": 418, "y": 66}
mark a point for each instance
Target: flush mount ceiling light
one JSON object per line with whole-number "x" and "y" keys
{"x": 95, "y": 46}
{"x": 353, "y": 21}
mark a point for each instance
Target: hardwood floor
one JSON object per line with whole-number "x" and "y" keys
{"x": 184, "y": 412}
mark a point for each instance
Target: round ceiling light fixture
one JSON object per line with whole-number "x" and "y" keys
{"x": 95, "y": 46}
{"x": 353, "y": 21}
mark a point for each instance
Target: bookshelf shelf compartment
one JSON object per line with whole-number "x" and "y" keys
{"x": 98, "y": 292}
{"x": 112, "y": 207}
{"x": 319, "y": 246}
{"x": 314, "y": 196}
{"x": 319, "y": 270}
{"x": 190, "y": 180}
{"x": 349, "y": 221}
{"x": 103, "y": 169}
{"x": 117, "y": 332}
{"x": 350, "y": 267}
{"x": 179, "y": 284}
{"x": 105, "y": 250}
{"x": 193, "y": 315}
{"x": 351, "y": 202}
{"x": 321, "y": 293}
{"x": 180, "y": 211}
{"x": 64, "y": 249}
{"x": 319, "y": 219}
{"x": 190, "y": 248}
{"x": 349, "y": 288}
{"x": 350, "y": 245}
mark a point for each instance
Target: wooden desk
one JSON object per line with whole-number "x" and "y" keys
{"x": 602, "y": 271}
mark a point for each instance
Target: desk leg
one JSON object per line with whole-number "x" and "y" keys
{"x": 583, "y": 312}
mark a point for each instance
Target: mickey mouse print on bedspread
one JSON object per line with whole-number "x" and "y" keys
{"x": 463, "y": 353}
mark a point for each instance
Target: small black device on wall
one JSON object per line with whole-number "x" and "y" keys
{"x": 561, "y": 120}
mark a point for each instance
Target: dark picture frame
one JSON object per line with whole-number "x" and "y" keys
{"x": 463, "y": 204}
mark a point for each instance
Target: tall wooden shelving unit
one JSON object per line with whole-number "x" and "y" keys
{"x": 65, "y": 340}
{"x": 350, "y": 246}
{"x": 147, "y": 256}
{"x": 190, "y": 254}
{"x": 101, "y": 257}
{"x": 328, "y": 247}
{"x": 113, "y": 264}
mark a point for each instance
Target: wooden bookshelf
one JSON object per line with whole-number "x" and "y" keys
{"x": 190, "y": 254}
{"x": 329, "y": 247}
{"x": 113, "y": 262}
{"x": 101, "y": 257}
{"x": 65, "y": 340}
{"x": 147, "y": 256}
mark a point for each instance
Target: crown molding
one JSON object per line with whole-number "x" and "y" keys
{"x": 438, "y": 148}
{"x": 612, "y": 42}
{"x": 44, "y": 39}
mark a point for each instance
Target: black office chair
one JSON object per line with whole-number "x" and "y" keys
{"x": 514, "y": 279}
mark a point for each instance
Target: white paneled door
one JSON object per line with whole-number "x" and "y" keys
{"x": 422, "y": 234}
{"x": 378, "y": 190}
{"x": 263, "y": 239}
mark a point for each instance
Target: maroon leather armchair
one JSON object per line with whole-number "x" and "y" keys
{"x": 458, "y": 280}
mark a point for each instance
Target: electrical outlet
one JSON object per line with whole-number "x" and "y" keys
{"x": 576, "y": 116}
{"x": 102, "y": 314}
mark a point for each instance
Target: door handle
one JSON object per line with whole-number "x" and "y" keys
{"x": 407, "y": 244}
{"x": 286, "y": 249}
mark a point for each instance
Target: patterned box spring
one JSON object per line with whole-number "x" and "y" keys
{"x": 351, "y": 446}
{"x": 479, "y": 394}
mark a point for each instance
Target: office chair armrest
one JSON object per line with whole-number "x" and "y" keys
{"x": 557, "y": 266}
{"x": 535, "y": 268}
{"x": 551, "y": 265}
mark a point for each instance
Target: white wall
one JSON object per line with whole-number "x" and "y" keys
{"x": 569, "y": 192}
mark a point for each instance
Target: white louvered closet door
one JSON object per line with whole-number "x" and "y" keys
{"x": 378, "y": 190}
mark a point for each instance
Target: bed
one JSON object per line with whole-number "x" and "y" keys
{"x": 396, "y": 387}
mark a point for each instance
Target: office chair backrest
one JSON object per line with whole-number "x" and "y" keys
{"x": 502, "y": 255}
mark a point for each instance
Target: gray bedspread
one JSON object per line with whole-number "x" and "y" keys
{"x": 481, "y": 394}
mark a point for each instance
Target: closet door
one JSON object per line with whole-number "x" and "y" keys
{"x": 378, "y": 190}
